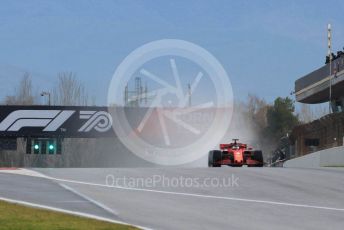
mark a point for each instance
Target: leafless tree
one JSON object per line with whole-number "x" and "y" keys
{"x": 23, "y": 95}
{"x": 256, "y": 109}
{"x": 69, "y": 90}
{"x": 251, "y": 118}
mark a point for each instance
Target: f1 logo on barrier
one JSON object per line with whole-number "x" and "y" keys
{"x": 52, "y": 120}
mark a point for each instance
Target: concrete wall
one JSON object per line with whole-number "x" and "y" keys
{"x": 328, "y": 157}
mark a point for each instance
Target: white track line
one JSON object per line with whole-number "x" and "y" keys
{"x": 205, "y": 196}
{"x": 81, "y": 214}
{"x": 200, "y": 195}
{"x": 24, "y": 172}
{"x": 113, "y": 212}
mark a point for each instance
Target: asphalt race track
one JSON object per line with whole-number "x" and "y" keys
{"x": 190, "y": 198}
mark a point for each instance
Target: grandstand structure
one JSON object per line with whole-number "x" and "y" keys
{"x": 325, "y": 84}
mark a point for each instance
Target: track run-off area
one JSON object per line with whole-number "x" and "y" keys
{"x": 187, "y": 198}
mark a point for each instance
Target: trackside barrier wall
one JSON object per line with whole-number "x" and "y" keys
{"x": 325, "y": 158}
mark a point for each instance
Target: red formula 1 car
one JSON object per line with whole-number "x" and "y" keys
{"x": 235, "y": 154}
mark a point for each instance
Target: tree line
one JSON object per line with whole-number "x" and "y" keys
{"x": 276, "y": 120}
{"x": 68, "y": 91}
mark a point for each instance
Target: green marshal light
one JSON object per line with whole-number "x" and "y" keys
{"x": 44, "y": 146}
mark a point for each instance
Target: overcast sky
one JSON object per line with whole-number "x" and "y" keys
{"x": 263, "y": 45}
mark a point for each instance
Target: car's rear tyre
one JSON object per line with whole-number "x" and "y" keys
{"x": 214, "y": 157}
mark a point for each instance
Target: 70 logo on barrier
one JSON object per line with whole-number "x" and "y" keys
{"x": 100, "y": 121}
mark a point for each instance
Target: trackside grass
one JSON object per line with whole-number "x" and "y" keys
{"x": 13, "y": 217}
